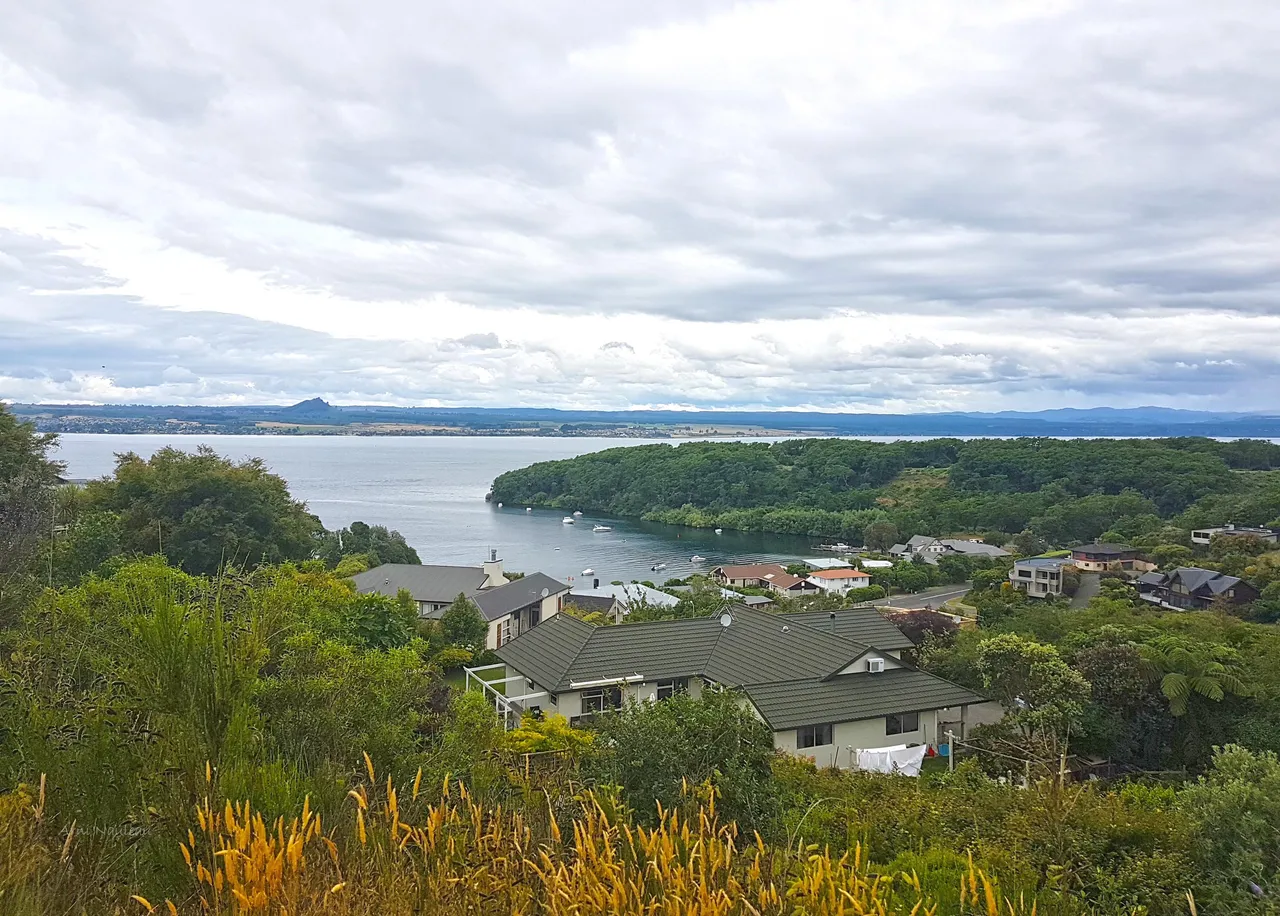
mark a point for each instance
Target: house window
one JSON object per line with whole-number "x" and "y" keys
{"x": 813, "y": 735}
{"x": 668, "y": 689}
{"x": 903, "y": 724}
{"x": 601, "y": 698}
{"x": 504, "y": 632}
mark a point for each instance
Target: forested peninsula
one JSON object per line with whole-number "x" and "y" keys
{"x": 1063, "y": 491}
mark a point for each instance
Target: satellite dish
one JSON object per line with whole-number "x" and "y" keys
{"x": 726, "y": 619}
{"x": 546, "y": 592}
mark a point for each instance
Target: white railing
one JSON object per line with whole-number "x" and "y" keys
{"x": 509, "y": 709}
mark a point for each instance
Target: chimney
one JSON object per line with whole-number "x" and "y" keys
{"x": 493, "y": 576}
{"x": 833, "y": 623}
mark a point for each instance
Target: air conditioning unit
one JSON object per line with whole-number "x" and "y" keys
{"x": 875, "y": 665}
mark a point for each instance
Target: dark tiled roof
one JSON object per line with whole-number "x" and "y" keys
{"x": 657, "y": 650}
{"x": 439, "y": 584}
{"x": 1196, "y": 579}
{"x": 758, "y": 647}
{"x": 755, "y": 647}
{"x": 592, "y": 602}
{"x": 501, "y": 601}
{"x": 545, "y": 652}
{"x": 850, "y": 697}
{"x": 864, "y": 625}
{"x": 787, "y": 669}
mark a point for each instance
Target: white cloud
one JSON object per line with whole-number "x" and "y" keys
{"x": 859, "y": 205}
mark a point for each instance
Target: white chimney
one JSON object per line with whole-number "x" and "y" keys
{"x": 493, "y": 576}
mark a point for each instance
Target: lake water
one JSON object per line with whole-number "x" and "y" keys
{"x": 432, "y": 490}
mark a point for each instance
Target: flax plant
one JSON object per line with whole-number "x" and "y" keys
{"x": 461, "y": 856}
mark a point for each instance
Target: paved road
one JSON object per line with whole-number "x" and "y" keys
{"x": 934, "y": 597}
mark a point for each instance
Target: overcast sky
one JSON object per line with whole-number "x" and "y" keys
{"x": 887, "y": 205}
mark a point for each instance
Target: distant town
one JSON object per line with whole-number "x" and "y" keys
{"x": 317, "y": 417}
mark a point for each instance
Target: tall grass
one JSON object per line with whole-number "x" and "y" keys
{"x": 457, "y": 855}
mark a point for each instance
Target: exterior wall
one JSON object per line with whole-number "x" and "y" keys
{"x": 1127, "y": 564}
{"x": 551, "y": 606}
{"x": 861, "y": 735}
{"x": 838, "y": 586}
{"x": 1041, "y": 583}
{"x": 569, "y": 703}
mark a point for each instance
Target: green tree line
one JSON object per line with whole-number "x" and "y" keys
{"x": 1060, "y": 490}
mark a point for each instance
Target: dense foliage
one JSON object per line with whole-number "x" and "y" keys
{"x": 27, "y": 476}
{"x": 257, "y": 738}
{"x": 1057, "y": 490}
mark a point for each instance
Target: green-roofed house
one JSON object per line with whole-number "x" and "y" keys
{"x": 826, "y": 683}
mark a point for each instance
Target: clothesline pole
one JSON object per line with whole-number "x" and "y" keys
{"x": 951, "y": 751}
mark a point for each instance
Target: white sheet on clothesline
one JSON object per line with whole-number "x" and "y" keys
{"x": 900, "y": 759}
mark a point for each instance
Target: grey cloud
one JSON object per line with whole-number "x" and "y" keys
{"x": 1022, "y": 167}
{"x": 487, "y": 341}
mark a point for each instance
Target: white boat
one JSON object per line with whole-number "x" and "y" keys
{"x": 499, "y": 505}
{"x": 657, "y": 566}
{"x": 568, "y": 519}
{"x": 718, "y": 530}
{"x": 601, "y": 528}
{"x": 588, "y": 571}
{"x": 579, "y": 512}
{"x": 528, "y": 508}
{"x": 697, "y": 559}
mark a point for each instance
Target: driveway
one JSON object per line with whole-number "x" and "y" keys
{"x": 1090, "y": 585}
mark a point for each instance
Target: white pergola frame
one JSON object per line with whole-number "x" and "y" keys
{"x": 507, "y": 708}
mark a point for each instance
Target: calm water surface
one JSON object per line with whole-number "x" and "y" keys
{"x": 432, "y": 490}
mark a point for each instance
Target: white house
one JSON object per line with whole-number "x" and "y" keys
{"x": 511, "y": 607}
{"x": 823, "y": 694}
{"x": 839, "y": 581}
{"x": 1039, "y": 577}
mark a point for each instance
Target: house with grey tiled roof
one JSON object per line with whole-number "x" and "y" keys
{"x": 822, "y": 692}
{"x": 1193, "y": 588}
{"x": 511, "y": 606}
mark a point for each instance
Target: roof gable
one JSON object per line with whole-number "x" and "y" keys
{"x": 503, "y": 600}
{"x": 546, "y": 652}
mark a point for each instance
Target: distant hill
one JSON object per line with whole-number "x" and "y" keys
{"x": 1119, "y": 415}
{"x": 318, "y": 415}
{"x": 314, "y": 410}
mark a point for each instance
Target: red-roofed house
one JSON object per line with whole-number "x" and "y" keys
{"x": 839, "y": 581}
{"x": 773, "y": 576}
